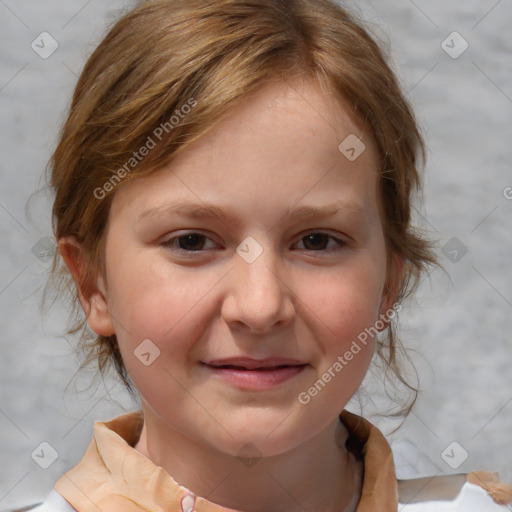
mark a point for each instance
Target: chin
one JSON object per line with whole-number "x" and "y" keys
{"x": 261, "y": 433}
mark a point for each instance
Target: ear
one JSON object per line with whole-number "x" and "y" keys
{"x": 92, "y": 293}
{"x": 392, "y": 287}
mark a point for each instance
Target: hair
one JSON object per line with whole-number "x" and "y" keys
{"x": 211, "y": 55}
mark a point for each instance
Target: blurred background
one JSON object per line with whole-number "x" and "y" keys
{"x": 454, "y": 61}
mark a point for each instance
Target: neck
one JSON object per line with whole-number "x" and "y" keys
{"x": 320, "y": 474}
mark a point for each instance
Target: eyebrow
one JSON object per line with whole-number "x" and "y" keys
{"x": 197, "y": 210}
{"x": 326, "y": 211}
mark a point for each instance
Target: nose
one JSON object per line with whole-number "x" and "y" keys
{"x": 258, "y": 298}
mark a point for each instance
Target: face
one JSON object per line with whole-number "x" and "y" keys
{"x": 240, "y": 275}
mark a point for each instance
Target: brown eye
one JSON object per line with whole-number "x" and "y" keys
{"x": 320, "y": 242}
{"x": 316, "y": 241}
{"x": 191, "y": 242}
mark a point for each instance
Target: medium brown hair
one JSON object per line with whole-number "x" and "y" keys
{"x": 165, "y": 54}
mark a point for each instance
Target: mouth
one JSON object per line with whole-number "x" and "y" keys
{"x": 248, "y": 364}
{"x": 255, "y": 374}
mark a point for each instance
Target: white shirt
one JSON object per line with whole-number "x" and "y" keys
{"x": 53, "y": 502}
{"x": 472, "y": 498}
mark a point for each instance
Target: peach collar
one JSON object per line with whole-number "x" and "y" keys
{"x": 113, "y": 476}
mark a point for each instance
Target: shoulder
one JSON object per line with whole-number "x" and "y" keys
{"x": 477, "y": 492}
{"x": 53, "y": 502}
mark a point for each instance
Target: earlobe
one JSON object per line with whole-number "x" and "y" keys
{"x": 91, "y": 290}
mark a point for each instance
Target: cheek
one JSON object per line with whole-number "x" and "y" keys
{"x": 342, "y": 308}
{"x": 151, "y": 300}
{"x": 341, "y": 314}
{"x": 168, "y": 308}
{"x": 344, "y": 302}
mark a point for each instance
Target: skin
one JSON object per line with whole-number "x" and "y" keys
{"x": 274, "y": 153}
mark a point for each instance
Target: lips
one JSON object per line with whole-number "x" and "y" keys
{"x": 254, "y": 375}
{"x": 249, "y": 364}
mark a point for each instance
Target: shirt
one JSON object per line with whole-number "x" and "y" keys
{"x": 112, "y": 476}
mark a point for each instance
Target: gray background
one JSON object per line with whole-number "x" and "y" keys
{"x": 459, "y": 325}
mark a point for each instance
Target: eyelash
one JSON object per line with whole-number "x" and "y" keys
{"x": 171, "y": 244}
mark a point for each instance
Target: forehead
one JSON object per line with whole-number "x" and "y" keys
{"x": 280, "y": 144}
{"x": 284, "y": 119}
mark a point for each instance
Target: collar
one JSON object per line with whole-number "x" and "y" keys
{"x": 113, "y": 476}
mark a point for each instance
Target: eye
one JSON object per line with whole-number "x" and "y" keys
{"x": 319, "y": 241}
{"x": 189, "y": 242}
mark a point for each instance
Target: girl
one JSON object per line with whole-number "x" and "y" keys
{"x": 233, "y": 199}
